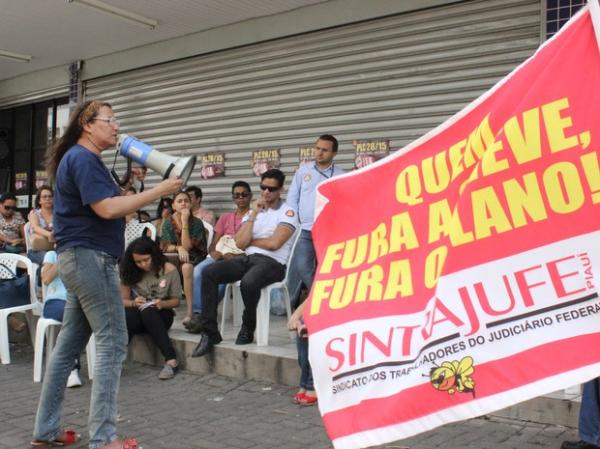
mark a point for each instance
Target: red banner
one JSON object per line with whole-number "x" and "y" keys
{"x": 459, "y": 275}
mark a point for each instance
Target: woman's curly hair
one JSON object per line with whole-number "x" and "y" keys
{"x": 130, "y": 272}
{"x": 82, "y": 115}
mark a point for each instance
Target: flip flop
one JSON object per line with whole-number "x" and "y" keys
{"x": 298, "y": 397}
{"x": 127, "y": 443}
{"x": 65, "y": 438}
{"x": 307, "y": 401}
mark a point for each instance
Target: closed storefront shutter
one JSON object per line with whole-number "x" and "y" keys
{"x": 393, "y": 78}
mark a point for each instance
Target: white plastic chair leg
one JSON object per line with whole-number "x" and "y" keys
{"x": 4, "y": 346}
{"x": 263, "y": 312}
{"x": 38, "y": 350}
{"x": 238, "y": 306}
{"x": 226, "y": 299}
{"x": 233, "y": 294}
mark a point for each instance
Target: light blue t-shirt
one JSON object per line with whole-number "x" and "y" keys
{"x": 56, "y": 289}
{"x": 303, "y": 191}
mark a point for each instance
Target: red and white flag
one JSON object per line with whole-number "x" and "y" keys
{"x": 460, "y": 275}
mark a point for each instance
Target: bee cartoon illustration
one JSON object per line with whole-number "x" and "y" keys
{"x": 454, "y": 376}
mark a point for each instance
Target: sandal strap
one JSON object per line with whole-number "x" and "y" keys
{"x": 64, "y": 438}
{"x": 69, "y": 437}
{"x": 130, "y": 443}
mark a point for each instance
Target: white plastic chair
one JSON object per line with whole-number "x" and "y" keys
{"x": 263, "y": 309}
{"x": 11, "y": 261}
{"x": 135, "y": 229}
{"x": 27, "y": 232}
{"x": 211, "y": 232}
{"x": 45, "y": 325}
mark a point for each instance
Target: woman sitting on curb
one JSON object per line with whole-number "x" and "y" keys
{"x": 151, "y": 289}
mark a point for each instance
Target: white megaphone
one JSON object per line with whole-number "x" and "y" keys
{"x": 142, "y": 153}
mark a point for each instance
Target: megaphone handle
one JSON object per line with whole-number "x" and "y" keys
{"x": 122, "y": 182}
{"x": 168, "y": 171}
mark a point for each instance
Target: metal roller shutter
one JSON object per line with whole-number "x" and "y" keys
{"x": 393, "y": 78}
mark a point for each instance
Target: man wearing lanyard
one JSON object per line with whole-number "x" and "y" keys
{"x": 301, "y": 196}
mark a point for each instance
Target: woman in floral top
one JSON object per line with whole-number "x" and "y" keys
{"x": 151, "y": 289}
{"x": 184, "y": 234}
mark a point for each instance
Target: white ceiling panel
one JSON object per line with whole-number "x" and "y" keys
{"x": 55, "y": 32}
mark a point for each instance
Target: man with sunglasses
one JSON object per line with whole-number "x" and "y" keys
{"x": 228, "y": 224}
{"x": 265, "y": 236}
{"x": 11, "y": 225}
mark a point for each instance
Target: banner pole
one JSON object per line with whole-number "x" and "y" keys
{"x": 595, "y": 15}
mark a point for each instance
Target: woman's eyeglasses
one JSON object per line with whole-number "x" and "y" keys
{"x": 269, "y": 188}
{"x": 240, "y": 195}
{"x": 110, "y": 120}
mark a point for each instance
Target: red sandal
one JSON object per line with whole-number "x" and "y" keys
{"x": 127, "y": 443}
{"x": 307, "y": 400}
{"x": 64, "y": 438}
{"x": 298, "y": 397}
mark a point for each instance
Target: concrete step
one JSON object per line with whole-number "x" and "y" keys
{"x": 277, "y": 363}
{"x": 274, "y": 363}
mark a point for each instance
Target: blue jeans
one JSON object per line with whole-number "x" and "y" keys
{"x": 255, "y": 272}
{"x": 302, "y": 266}
{"x": 589, "y": 414}
{"x": 197, "y": 301}
{"x": 36, "y": 256}
{"x": 54, "y": 309}
{"x": 93, "y": 305}
{"x": 302, "y": 272}
{"x": 13, "y": 249}
{"x": 306, "y": 377}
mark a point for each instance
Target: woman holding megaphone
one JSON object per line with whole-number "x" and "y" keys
{"x": 89, "y": 233}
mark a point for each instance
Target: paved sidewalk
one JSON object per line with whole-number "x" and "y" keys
{"x": 215, "y": 412}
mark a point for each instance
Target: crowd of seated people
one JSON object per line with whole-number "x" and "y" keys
{"x": 265, "y": 237}
{"x": 222, "y": 247}
{"x": 250, "y": 244}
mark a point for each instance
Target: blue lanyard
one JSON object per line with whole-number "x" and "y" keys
{"x": 330, "y": 169}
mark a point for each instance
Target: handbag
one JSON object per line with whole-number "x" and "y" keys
{"x": 14, "y": 291}
{"x": 226, "y": 245}
{"x": 40, "y": 243}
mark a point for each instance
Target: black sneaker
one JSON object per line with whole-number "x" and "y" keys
{"x": 578, "y": 445}
{"x": 245, "y": 336}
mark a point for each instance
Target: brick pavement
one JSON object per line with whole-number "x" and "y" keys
{"x": 215, "y": 412}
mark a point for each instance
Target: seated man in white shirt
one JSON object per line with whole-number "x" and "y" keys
{"x": 265, "y": 235}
